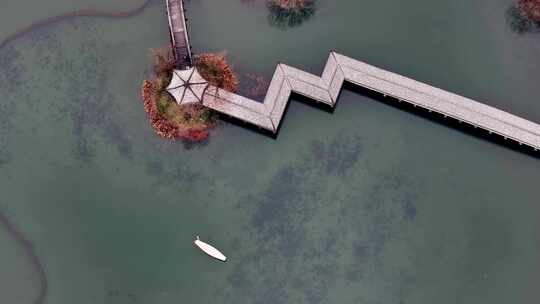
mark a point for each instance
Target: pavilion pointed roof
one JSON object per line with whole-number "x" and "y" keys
{"x": 187, "y": 86}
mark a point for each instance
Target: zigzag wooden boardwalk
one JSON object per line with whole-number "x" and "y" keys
{"x": 179, "y": 34}
{"x": 326, "y": 88}
{"x": 339, "y": 69}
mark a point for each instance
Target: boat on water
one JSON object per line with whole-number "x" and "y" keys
{"x": 210, "y": 250}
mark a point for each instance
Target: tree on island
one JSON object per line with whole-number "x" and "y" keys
{"x": 215, "y": 69}
{"x": 530, "y": 9}
{"x": 524, "y": 16}
{"x": 289, "y": 13}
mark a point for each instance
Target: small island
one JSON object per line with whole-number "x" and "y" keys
{"x": 289, "y": 13}
{"x": 192, "y": 121}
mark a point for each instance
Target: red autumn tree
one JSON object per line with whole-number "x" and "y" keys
{"x": 530, "y": 9}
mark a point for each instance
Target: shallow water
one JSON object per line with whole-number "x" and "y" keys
{"x": 18, "y": 14}
{"x": 368, "y": 204}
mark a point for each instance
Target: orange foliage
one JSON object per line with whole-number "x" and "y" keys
{"x": 164, "y": 61}
{"x": 214, "y": 68}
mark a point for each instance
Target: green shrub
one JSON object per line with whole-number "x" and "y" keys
{"x": 208, "y": 116}
{"x": 163, "y": 104}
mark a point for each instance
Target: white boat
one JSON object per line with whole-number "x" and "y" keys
{"x": 210, "y": 250}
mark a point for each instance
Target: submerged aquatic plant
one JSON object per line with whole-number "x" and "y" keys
{"x": 256, "y": 85}
{"x": 289, "y": 13}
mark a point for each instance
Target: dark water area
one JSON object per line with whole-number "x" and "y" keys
{"x": 364, "y": 204}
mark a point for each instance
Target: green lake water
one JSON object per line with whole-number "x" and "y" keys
{"x": 368, "y": 204}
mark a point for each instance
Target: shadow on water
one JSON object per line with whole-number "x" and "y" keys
{"x": 248, "y": 126}
{"x": 440, "y": 119}
{"x": 294, "y": 97}
{"x": 404, "y": 106}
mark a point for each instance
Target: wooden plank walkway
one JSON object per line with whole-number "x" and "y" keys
{"x": 179, "y": 34}
{"x": 325, "y": 89}
{"x": 339, "y": 69}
